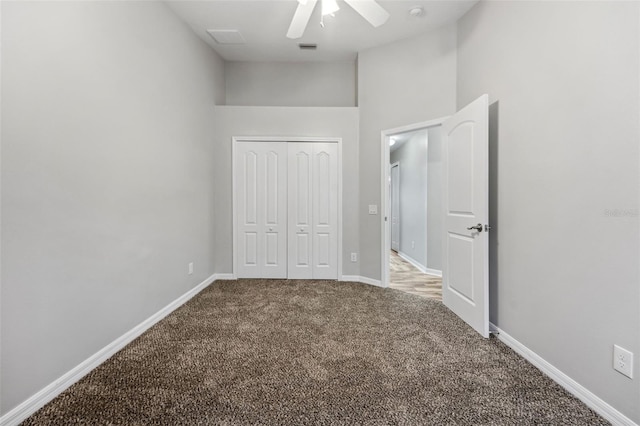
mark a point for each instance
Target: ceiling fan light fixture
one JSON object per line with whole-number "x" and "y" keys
{"x": 329, "y": 7}
{"x": 370, "y": 10}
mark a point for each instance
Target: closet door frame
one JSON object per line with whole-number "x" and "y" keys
{"x": 238, "y": 139}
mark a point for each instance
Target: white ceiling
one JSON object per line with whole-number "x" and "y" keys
{"x": 264, "y": 24}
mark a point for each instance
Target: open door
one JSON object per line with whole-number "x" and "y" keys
{"x": 465, "y": 275}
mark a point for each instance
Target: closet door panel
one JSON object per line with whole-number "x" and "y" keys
{"x": 247, "y": 172}
{"x": 325, "y": 210}
{"x": 300, "y": 209}
{"x": 261, "y": 216}
{"x": 251, "y": 249}
{"x": 274, "y": 225}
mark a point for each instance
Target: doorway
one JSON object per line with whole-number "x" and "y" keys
{"x": 464, "y": 210}
{"x": 412, "y": 204}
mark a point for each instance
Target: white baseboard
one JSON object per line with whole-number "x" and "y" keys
{"x": 364, "y": 280}
{"x": 434, "y": 272}
{"x": 49, "y": 392}
{"x": 576, "y": 389}
{"x": 420, "y": 266}
{"x": 412, "y": 261}
{"x": 225, "y": 277}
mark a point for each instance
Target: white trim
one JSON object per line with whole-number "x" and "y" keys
{"x": 236, "y": 139}
{"x": 426, "y": 203}
{"x": 225, "y": 277}
{"x": 340, "y": 212}
{"x": 49, "y": 392}
{"x": 435, "y": 272}
{"x": 384, "y": 196}
{"x": 234, "y": 209}
{"x": 418, "y": 265}
{"x": 412, "y": 261}
{"x": 576, "y": 389}
{"x": 285, "y": 139}
{"x": 415, "y": 126}
{"x": 363, "y": 280}
{"x": 390, "y": 217}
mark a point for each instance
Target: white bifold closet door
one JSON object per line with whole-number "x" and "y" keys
{"x": 261, "y": 217}
{"x": 313, "y": 211}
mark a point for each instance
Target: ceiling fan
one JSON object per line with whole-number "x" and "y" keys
{"x": 368, "y": 9}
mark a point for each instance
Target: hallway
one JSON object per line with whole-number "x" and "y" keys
{"x": 406, "y": 277}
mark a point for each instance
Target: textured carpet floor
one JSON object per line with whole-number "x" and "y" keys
{"x": 313, "y": 352}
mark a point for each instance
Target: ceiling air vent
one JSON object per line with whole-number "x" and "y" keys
{"x": 227, "y": 36}
{"x": 307, "y": 46}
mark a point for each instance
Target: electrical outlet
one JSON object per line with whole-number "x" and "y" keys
{"x": 190, "y": 268}
{"x": 373, "y": 209}
{"x": 623, "y": 361}
{"x": 354, "y": 257}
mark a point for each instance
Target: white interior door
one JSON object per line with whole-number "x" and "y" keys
{"x": 465, "y": 280}
{"x": 261, "y": 216}
{"x": 395, "y": 207}
{"x": 324, "y": 172}
{"x": 313, "y": 211}
{"x": 300, "y": 211}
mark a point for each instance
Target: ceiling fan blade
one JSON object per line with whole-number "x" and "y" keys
{"x": 370, "y": 10}
{"x": 301, "y": 19}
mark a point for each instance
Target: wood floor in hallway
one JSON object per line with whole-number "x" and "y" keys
{"x": 406, "y": 277}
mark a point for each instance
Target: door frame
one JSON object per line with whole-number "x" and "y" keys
{"x": 238, "y": 139}
{"x": 385, "y": 224}
{"x": 391, "y": 166}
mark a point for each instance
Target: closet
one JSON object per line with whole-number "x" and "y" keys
{"x": 286, "y": 210}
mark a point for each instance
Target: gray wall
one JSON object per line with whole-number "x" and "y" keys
{"x": 434, "y": 199}
{"x": 291, "y": 83}
{"x": 232, "y": 121}
{"x": 398, "y": 84}
{"x": 421, "y": 196}
{"x": 412, "y": 156}
{"x": 563, "y": 80}
{"x": 106, "y": 177}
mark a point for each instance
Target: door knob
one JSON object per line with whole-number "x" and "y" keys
{"x": 270, "y": 229}
{"x": 478, "y": 227}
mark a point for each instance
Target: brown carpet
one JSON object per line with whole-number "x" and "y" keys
{"x": 277, "y": 352}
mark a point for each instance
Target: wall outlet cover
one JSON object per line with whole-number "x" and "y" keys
{"x": 623, "y": 361}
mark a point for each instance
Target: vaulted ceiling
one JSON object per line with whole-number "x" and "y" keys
{"x": 263, "y": 25}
